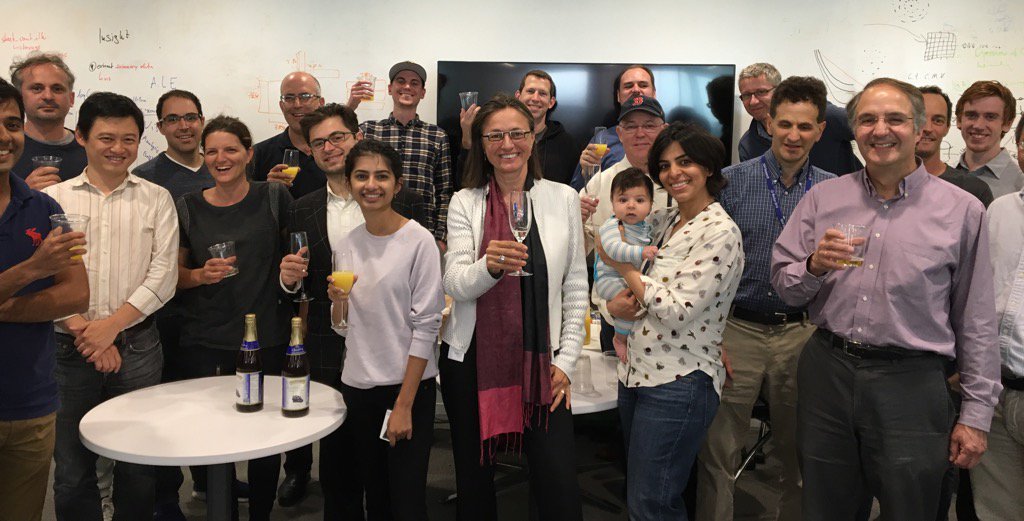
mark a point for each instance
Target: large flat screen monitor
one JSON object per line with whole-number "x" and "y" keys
{"x": 702, "y": 94}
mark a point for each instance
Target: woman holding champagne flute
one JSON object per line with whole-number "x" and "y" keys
{"x": 218, "y": 292}
{"x": 387, "y": 302}
{"x": 506, "y": 384}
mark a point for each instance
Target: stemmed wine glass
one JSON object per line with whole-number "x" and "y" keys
{"x": 519, "y": 219}
{"x": 300, "y": 247}
{"x": 344, "y": 278}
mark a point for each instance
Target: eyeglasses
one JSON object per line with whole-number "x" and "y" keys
{"x": 760, "y": 93}
{"x": 173, "y": 119}
{"x": 891, "y": 120}
{"x": 646, "y": 127}
{"x": 336, "y": 139}
{"x": 303, "y": 98}
{"x": 497, "y": 135}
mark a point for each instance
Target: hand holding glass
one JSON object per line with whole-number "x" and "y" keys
{"x": 291, "y": 158}
{"x": 343, "y": 278}
{"x": 225, "y": 250}
{"x": 369, "y": 79}
{"x": 519, "y": 220}
{"x": 70, "y": 222}
{"x": 856, "y": 236}
{"x": 300, "y": 247}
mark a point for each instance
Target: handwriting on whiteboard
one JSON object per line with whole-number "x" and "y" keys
{"x": 114, "y": 37}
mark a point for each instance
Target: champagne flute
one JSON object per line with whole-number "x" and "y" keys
{"x": 343, "y": 279}
{"x": 291, "y": 158}
{"x": 601, "y": 141}
{"x": 300, "y": 242}
{"x": 519, "y": 220}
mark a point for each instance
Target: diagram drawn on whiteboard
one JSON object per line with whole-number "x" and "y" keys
{"x": 841, "y": 84}
{"x": 938, "y": 45}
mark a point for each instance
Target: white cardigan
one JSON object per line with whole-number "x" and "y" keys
{"x": 556, "y": 214}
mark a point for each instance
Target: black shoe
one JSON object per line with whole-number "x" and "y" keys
{"x": 293, "y": 489}
{"x": 168, "y": 512}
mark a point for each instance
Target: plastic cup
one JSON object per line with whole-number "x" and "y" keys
{"x": 54, "y": 161}
{"x": 70, "y": 222}
{"x": 856, "y": 236}
{"x": 366, "y": 77}
{"x": 224, "y": 250}
{"x": 468, "y": 98}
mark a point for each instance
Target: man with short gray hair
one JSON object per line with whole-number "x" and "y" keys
{"x": 47, "y": 86}
{"x": 833, "y": 153}
{"x": 893, "y": 304}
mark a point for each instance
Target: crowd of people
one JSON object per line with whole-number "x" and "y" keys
{"x": 891, "y": 358}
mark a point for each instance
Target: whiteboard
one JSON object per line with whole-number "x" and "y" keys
{"x": 233, "y": 54}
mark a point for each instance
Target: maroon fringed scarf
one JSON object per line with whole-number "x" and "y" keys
{"x": 513, "y": 374}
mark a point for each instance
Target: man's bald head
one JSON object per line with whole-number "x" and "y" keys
{"x": 300, "y": 95}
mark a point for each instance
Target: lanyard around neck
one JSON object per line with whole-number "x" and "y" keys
{"x": 775, "y": 196}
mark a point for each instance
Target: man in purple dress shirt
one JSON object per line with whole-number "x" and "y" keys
{"x": 874, "y": 417}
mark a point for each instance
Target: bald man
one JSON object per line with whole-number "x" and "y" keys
{"x": 300, "y": 95}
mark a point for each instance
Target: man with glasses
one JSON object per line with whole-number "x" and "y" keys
{"x": 832, "y": 153}
{"x": 634, "y": 80}
{"x": 873, "y": 414}
{"x": 180, "y": 169}
{"x": 640, "y": 121}
{"x": 300, "y": 95}
{"x": 424, "y": 146}
{"x": 47, "y": 86}
{"x": 984, "y": 114}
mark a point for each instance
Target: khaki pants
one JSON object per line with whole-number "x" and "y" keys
{"x": 26, "y": 447}
{"x": 998, "y": 479}
{"x": 764, "y": 362}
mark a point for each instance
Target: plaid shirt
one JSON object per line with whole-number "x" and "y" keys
{"x": 748, "y": 202}
{"x": 427, "y": 164}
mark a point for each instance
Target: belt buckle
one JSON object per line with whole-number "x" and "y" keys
{"x": 785, "y": 318}
{"x": 846, "y": 347}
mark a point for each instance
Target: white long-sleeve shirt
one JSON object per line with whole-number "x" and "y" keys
{"x": 395, "y": 307}
{"x": 131, "y": 243}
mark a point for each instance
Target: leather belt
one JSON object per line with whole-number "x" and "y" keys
{"x": 148, "y": 321}
{"x": 769, "y": 319}
{"x": 1015, "y": 383}
{"x": 872, "y": 352}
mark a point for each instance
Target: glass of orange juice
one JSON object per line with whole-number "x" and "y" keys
{"x": 343, "y": 278}
{"x": 291, "y": 158}
{"x": 70, "y": 222}
{"x": 600, "y": 141}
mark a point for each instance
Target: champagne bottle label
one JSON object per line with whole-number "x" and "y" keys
{"x": 248, "y": 388}
{"x": 297, "y": 349}
{"x": 250, "y": 346}
{"x": 295, "y": 393}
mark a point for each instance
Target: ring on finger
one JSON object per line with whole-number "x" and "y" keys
{"x": 501, "y": 259}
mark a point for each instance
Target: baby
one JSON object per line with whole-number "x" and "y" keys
{"x": 625, "y": 237}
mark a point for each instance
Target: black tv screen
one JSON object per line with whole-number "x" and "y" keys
{"x": 701, "y": 94}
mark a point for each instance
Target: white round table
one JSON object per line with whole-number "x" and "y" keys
{"x": 194, "y": 422}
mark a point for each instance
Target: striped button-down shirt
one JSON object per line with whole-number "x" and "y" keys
{"x": 749, "y": 203}
{"x": 1006, "y": 233}
{"x": 427, "y": 164}
{"x": 131, "y": 240}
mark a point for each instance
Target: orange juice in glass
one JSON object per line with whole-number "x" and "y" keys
{"x": 343, "y": 277}
{"x": 291, "y": 158}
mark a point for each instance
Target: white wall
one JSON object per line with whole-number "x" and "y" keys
{"x": 232, "y": 54}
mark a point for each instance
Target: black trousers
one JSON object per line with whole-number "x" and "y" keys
{"x": 395, "y": 478}
{"x": 551, "y": 452}
{"x": 871, "y": 428}
{"x": 263, "y": 472}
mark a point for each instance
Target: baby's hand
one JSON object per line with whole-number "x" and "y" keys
{"x": 649, "y": 252}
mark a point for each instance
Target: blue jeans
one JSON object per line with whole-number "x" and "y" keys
{"x": 82, "y": 387}
{"x": 664, "y": 427}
